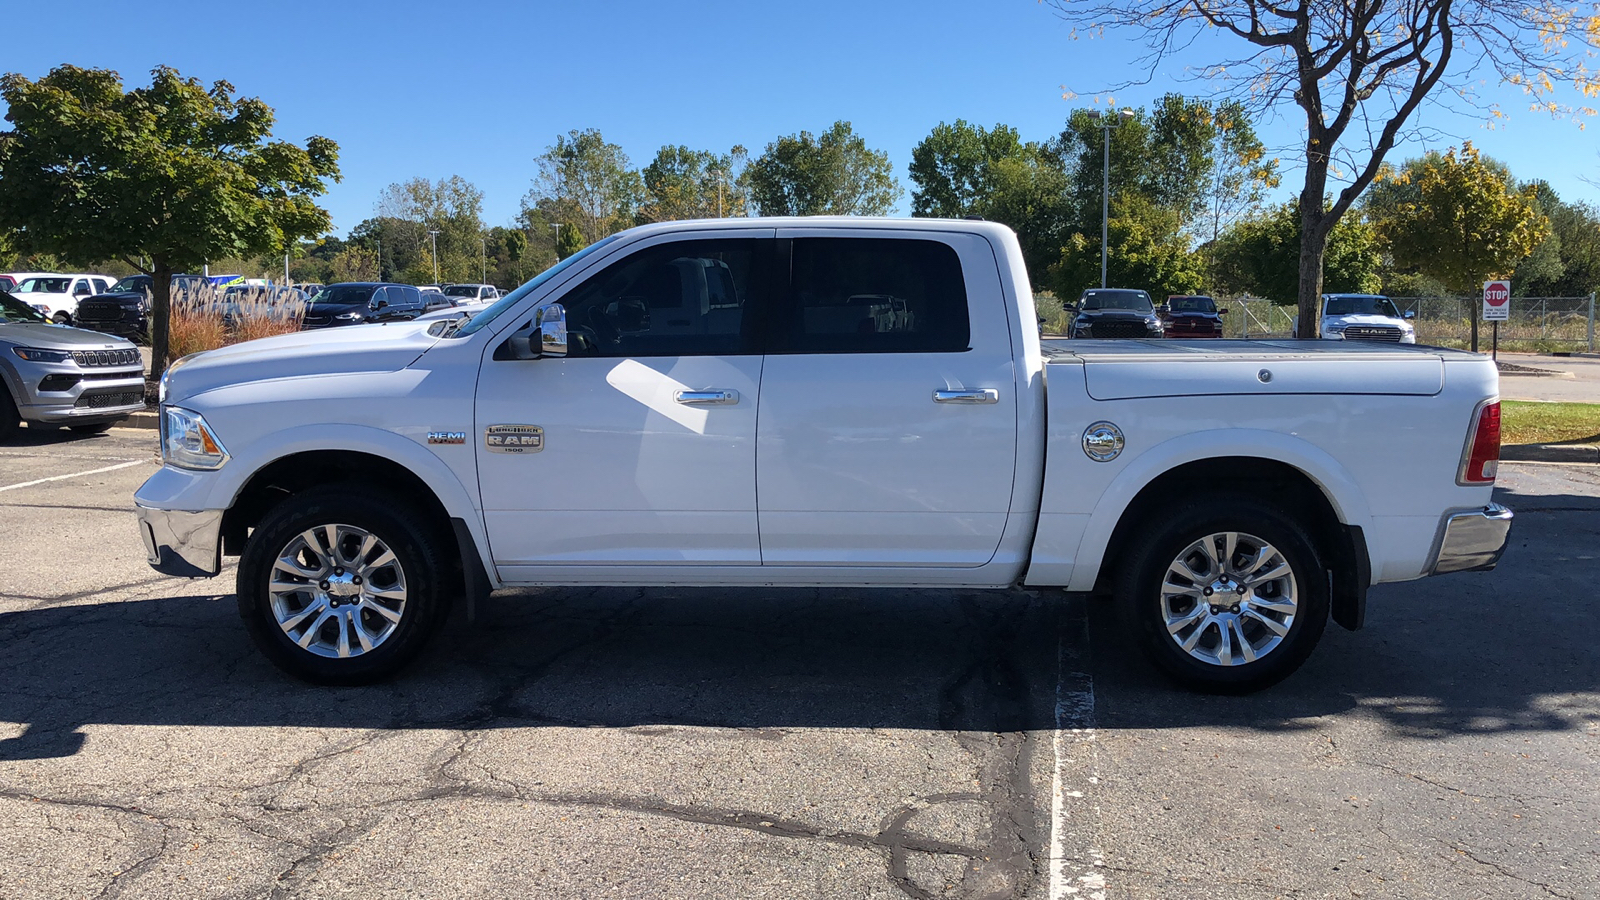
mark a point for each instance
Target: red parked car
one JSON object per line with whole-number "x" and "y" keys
{"x": 1191, "y": 316}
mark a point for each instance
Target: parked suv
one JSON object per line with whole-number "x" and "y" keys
{"x": 51, "y": 375}
{"x": 57, "y": 296}
{"x": 1365, "y": 317}
{"x": 1191, "y": 316}
{"x": 358, "y": 302}
{"x": 472, "y": 293}
{"x": 125, "y": 309}
{"x": 1115, "y": 313}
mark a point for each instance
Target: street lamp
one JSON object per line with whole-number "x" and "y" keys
{"x": 433, "y": 234}
{"x": 484, "y": 245}
{"x": 1107, "y": 122}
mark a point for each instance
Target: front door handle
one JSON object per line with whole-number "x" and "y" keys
{"x": 707, "y": 398}
{"x": 981, "y": 395}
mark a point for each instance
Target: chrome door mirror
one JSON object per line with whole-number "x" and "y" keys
{"x": 552, "y": 331}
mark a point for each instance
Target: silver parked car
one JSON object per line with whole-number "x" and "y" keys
{"x": 53, "y": 375}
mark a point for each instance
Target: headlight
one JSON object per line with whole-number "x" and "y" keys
{"x": 32, "y": 354}
{"x": 188, "y": 442}
{"x": 349, "y": 317}
{"x": 1336, "y": 328}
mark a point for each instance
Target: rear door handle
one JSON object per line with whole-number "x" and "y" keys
{"x": 707, "y": 398}
{"x": 981, "y": 395}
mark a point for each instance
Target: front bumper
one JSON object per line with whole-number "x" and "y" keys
{"x": 1472, "y": 540}
{"x": 180, "y": 542}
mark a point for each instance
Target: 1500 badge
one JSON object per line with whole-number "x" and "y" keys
{"x": 513, "y": 438}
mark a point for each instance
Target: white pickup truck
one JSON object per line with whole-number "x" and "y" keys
{"x": 831, "y": 401}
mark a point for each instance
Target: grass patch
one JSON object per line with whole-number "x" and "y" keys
{"x": 1522, "y": 422}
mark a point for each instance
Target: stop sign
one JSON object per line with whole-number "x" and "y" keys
{"x": 1496, "y": 301}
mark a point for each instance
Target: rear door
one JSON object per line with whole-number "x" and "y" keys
{"x": 888, "y": 402}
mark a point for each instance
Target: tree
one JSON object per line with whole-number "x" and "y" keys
{"x": 835, "y": 174}
{"x": 516, "y": 244}
{"x": 1458, "y": 219}
{"x": 1567, "y": 262}
{"x": 1358, "y": 70}
{"x": 163, "y": 177}
{"x": 1261, "y": 255}
{"x": 1238, "y": 177}
{"x": 1152, "y": 253}
{"x": 694, "y": 184}
{"x": 354, "y": 264}
{"x": 451, "y": 206}
{"x": 569, "y": 240}
{"x": 964, "y": 169}
{"x": 586, "y": 180}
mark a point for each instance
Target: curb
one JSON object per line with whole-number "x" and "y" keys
{"x": 148, "y": 418}
{"x": 1563, "y": 453}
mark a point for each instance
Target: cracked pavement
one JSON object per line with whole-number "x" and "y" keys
{"x": 766, "y": 743}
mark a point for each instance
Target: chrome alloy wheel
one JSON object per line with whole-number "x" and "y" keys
{"x": 337, "y": 591}
{"x": 1229, "y": 598}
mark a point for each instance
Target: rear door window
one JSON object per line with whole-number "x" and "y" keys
{"x": 872, "y": 295}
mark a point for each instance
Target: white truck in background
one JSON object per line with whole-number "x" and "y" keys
{"x": 621, "y": 419}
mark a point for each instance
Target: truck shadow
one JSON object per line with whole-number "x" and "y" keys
{"x": 1500, "y": 651}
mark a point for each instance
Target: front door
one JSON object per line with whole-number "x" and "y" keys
{"x": 888, "y": 404}
{"x": 648, "y": 426}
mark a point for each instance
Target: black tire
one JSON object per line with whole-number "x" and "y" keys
{"x": 1149, "y": 597}
{"x": 97, "y": 428}
{"x": 9, "y": 417}
{"x": 61, "y": 318}
{"x": 417, "y": 546}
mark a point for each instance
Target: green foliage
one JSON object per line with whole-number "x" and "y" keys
{"x": 165, "y": 177}
{"x": 963, "y": 169}
{"x": 451, "y": 206}
{"x": 1457, "y": 218}
{"x": 570, "y": 240}
{"x": 694, "y": 184}
{"x": 586, "y": 180}
{"x": 1567, "y": 262}
{"x": 353, "y": 264}
{"x": 1149, "y": 252}
{"x": 1261, "y": 256}
{"x": 834, "y": 174}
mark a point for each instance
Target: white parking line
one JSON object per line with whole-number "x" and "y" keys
{"x": 1074, "y": 721}
{"x": 13, "y": 487}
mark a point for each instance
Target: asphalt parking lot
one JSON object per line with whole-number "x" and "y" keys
{"x": 694, "y": 743}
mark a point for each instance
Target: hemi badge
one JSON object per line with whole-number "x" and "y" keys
{"x": 513, "y": 438}
{"x": 447, "y": 437}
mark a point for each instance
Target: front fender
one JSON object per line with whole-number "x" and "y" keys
{"x": 1335, "y": 481}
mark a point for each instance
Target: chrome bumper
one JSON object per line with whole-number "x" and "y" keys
{"x": 182, "y": 543}
{"x": 1472, "y": 541}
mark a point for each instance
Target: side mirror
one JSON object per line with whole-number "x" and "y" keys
{"x": 1070, "y": 307}
{"x": 380, "y": 303}
{"x": 1411, "y": 314}
{"x": 1223, "y": 311}
{"x": 552, "y": 331}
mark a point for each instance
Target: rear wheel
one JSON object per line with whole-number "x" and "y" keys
{"x": 1226, "y": 594}
{"x": 342, "y": 586}
{"x": 61, "y": 318}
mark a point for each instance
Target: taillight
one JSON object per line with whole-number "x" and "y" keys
{"x": 1481, "y": 459}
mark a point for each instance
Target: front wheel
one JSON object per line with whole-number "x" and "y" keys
{"x": 342, "y": 586}
{"x": 1226, "y": 594}
{"x": 61, "y": 318}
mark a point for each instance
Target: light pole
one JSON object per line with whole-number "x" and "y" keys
{"x": 1107, "y": 122}
{"x": 557, "y": 227}
{"x": 483, "y": 244}
{"x": 434, "y": 235}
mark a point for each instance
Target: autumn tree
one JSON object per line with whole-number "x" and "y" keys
{"x": 694, "y": 184}
{"x": 584, "y": 179}
{"x": 1358, "y": 70}
{"x": 834, "y": 173}
{"x": 451, "y": 206}
{"x": 1260, "y": 255}
{"x": 1151, "y": 253}
{"x": 164, "y": 177}
{"x": 1457, "y": 218}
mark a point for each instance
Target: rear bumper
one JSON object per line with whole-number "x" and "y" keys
{"x": 1472, "y": 540}
{"x": 180, "y": 542}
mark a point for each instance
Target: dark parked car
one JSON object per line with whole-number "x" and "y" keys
{"x": 1191, "y": 316}
{"x": 125, "y": 309}
{"x": 355, "y": 303}
{"x": 1115, "y": 313}
{"x": 433, "y": 300}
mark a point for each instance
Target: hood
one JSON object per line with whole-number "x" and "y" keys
{"x": 58, "y": 337}
{"x": 1365, "y": 319}
{"x": 335, "y": 351}
{"x": 1193, "y": 314}
{"x": 123, "y": 298}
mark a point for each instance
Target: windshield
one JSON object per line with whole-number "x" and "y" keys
{"x": 44, "y": 286}
{"x": 132, "y": 283}
{"x": 498, "y": 308}
{"x": 344, "y": 295}
{"x": 461, "y": 290}
{"x": 1360, "y": 306}
{"x": 14, "y": 310}
{"x": 1192, "y": 305}
{"x": 1138, "y": 301}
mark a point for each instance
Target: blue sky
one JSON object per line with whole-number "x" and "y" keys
{"x": 479, "y": 89}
